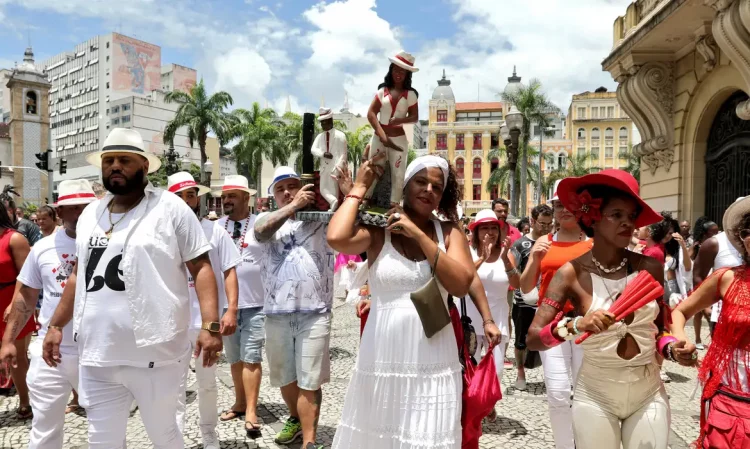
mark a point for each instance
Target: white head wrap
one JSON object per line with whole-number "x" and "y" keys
{"x": 426, "y": 162}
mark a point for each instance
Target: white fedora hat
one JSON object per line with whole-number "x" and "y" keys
{"x": 182, "y": 181}
{"x": 325, "y": 114}
{"x": 404, "y": 60}
{"x": 237, "y": 182}
{"x": 124, "y": 140}
{"x": 73, "y": 192}
{"x": 281, "y": 174}
{"x": 555, "y": 197}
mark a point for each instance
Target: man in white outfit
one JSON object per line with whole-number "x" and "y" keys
{"x": 224, "y": 258}
{"x": 132, "y": 304}
{"x": 46, "y": 269}
{"x": 330, "y": 147}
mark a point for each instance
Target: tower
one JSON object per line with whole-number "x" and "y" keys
{"x": 29, "y": 126}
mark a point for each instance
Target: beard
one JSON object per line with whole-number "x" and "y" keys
{"x": 131, "y": 184}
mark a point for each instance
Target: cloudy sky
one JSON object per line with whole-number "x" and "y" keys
{"x": 266, "y": 51}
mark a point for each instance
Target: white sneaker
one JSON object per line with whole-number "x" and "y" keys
{"x": 700, "y": 346}
{"x": 210, "y": 440}
{"x": 520, "y": 384}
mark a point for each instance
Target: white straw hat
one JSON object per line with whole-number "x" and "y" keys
{"x": 237, "y": 182}
{"x": 404, "y": 60}
{"x": 73, "y": 192}
{"x": 325, "y": 114}
{"x": 182, "y": 181}
{"x": 124, "y": 140}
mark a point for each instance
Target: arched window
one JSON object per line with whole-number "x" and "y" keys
{"x": 460, "y": 168}
{"x": 31, "y": 102}
{"x": 562, "y": 160}
{"x": 595, "y": 134}
{"x": 494, "y": 164}
{"x": 609, "y": 134}
{"x": 581, "y": 133}
{"x": 623, "y": 133}
{"x": 477, "y": 168}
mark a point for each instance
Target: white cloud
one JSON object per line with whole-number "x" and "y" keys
{"x": 243, "y": 70}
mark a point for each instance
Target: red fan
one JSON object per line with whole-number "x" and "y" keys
{"x": 640, "y": 291}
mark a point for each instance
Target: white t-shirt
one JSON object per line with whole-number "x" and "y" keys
{"x": 105, "y": 335}
{"x": 47, "y": 268}
{"x": 297, "y": 267}
{"x": 248, "y": 272}
{"x": 223, "y": 255}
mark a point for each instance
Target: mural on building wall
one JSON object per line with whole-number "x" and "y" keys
{"x": 136, "y": 65}
{"x": 156, "y": 145}
{"x": 184, "y": 78}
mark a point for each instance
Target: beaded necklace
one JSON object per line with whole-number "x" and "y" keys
{"x": 244, "y": 231}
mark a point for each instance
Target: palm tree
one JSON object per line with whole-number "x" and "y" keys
{"x": 258, "y": 131}
{"x": 501, "y": 175}
{"x": 535, "y": 107}
{"x": 634, "y": 164}
{"x": 356, "y": 141}
{"x": 201, "y": 114}
{"x": 575, "y": 166}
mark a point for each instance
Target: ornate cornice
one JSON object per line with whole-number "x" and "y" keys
{"x": 646, "y": 93}
{"x": 731, "y": 30}
{"x": 706, "y": 47}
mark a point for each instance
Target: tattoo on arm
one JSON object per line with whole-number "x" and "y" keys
{"x": 19, "y": 315}
{"x": 266, "y": 226}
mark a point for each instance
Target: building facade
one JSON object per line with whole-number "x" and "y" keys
{"x": 683, "y": 74}
{"x": 4, "y": 95}
{"x": 599, "y": 127}
{"x": 90, "y": 77}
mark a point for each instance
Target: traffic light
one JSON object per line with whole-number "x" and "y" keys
{"x": 43, "y": 163}
{"x": 63, "y": 166}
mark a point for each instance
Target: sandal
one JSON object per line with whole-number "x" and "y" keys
{"x": 492, "y": 417}
{"x": 71, "y": 408}
{"x": 228, "y": 415}
{"x": 253, "y": 431}
{"x": 24, "y": 412}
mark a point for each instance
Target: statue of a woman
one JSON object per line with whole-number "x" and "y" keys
{"x": 394, "y": 105}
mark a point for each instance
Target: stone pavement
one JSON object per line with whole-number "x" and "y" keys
{"x": 523, "y": 420}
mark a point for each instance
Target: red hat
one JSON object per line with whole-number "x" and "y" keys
{"x": 570, "y": 188}
{"x": 484, "y": 216}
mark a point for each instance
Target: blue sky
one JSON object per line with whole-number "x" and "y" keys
{"x": 268, "y": 51}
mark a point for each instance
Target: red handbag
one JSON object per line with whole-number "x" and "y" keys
{"x": 481, "y": 388}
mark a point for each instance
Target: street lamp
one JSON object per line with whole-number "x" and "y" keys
{"x": 514, "y": 122}
{"x": 541, "y": 154}
{"x": 186, "y": 164}
{"x": 208, "y": 169}
{"x": 171, "y": 156}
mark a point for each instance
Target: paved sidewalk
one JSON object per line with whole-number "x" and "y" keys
{"x": 523, "y": 420}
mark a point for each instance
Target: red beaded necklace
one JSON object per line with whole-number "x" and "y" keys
{"x": 244, "y": 231}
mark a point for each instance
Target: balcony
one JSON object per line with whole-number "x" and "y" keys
{"x": 474, "y": 205}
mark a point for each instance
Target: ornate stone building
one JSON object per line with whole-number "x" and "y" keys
{"x": 683, "y": 69}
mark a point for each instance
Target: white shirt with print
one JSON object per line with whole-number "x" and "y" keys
{"x": 224, "y": 256}
{"x": 47, "y": 268}
{"x": 248, "y": 272}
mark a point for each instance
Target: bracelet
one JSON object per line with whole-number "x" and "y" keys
{"x": 664, "y": 341}
{"x": 356, "y": 197}
{"x": 52, "y": 326}
{"x": 488, "y": 321}
{"x": 575, "y": 325}
{"x": 552, "y": 303}
{"x": 549, "y": 339}
{"x": 512, "y": 271}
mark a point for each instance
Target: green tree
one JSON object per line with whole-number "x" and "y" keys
{"x": 202, "y": 114}
{"x": 634, "y": 163}
{"x": 259, "y": 134}
{"x": 578, "y": 165}
{"x": 356, "y": 141}
{"x": 500, "y": 176}
{"x": 411, "y": 155}
{"x": 159, "y": 177}
{"x": 535, "y": 107}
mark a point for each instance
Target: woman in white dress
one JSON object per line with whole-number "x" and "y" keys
{"x": 405, "y": 390}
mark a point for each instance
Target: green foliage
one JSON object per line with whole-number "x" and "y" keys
{"x": 29, "y": 208}
{"x": 578, "y": 165}
{"x": 356, "y": 141}
{"x": 159, "y": 177}
{"x": 259, "y": 134}
{"x": 411, "y": 156}
{"x": 634, "y": 164}
{"x": 501, "y": 175}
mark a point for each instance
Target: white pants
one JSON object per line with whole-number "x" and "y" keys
{"x": 107, "y": 392}
{"x": 397, "y": 161}
{"x": 329, "y": 187}
{"x": 560, "y": 365}
{"x": 208, "y": 392}
{"x": 49, "y": 390}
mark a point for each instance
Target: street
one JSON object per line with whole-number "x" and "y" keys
{"x": 523, "y": 420}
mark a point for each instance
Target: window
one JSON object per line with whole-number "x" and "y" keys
{"x": 581, "y": 133}
{"x": 494, "y": 140}
{"x": 459, "y": 141}
{"x": 107, "y": 113}
{"x": 115, "y": 109}
{"x": 609, "y": 152}
{"x": 460, "y": 168}
{"x": 125, "y": 119}
{"x": 442, "y": 141}
{"x": 442, "y": 116}
{"x": 477, "y": 141}
{"x": 477, "y": 168}
{"x": 623, "y": 133}
{"x": 494, "y": 164}
{"x": 107, "y": 84}
{"x": 594, "y": 112}
{"x": 595, "y": 153}
{"x": 107, "y": 44}
{"x": 623, "y": 152}
{"x": 581, "y": 151}
{"x": 595, "y": 134}
{"x": 116, "y": 121}
{"x": 31, "y": 104}
{"x": 107, "y": 58}
{"x": 126, "y": 107}
{"x": 581, "y": 113}
{"x": 610, "y": 111}
{"x": 562, "y": 160}
{"x": 495, "y": 193}
{"x": 609, "y": 134}
{"x": 477, "y": 192}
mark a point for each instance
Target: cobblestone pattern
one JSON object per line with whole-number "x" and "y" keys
{"x": 523, "y": 420}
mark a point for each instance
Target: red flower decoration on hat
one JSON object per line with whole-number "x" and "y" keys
{"x": 585, "y": 208}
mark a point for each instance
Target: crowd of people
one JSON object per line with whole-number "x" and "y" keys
{"x": 595, "y": 286}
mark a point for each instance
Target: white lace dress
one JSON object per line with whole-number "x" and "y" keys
{"x": 405, "y": 391}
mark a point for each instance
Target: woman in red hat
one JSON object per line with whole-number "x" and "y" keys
{"x": 560, "y": 364}
{"x": 619, "y": 399}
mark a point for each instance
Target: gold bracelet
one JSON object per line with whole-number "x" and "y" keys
{"x": 52, "y": 326}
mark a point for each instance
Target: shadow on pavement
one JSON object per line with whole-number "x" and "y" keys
{"x": 504, "y": 426}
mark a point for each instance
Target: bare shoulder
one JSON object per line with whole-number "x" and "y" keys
{"x": 641, "y": 262}
{"x": 450, "y": 229}
{"x": 17, "y": 240}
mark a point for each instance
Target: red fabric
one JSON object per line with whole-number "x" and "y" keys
{"x": 481, "y": 388}
{"x": 732, "y": 333}
{"x": 657, "y": 252}
{"x": 362, "y": 322}
{"x": 8, "y": 275}
{"x": 727, "y": 425}
{"x": 558, "y": 255}
{"x": 513, "y": 233}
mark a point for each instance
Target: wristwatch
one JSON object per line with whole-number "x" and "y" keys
{"x": 562, "y": 329}
{"x": 213, "y": 327}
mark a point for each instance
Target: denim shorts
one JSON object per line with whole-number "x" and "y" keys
{"x": 298, "y": 349}
{"x": 246, "y": 343}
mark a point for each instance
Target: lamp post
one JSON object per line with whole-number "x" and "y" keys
{"x": 171, "y": 156}
{"x": 186, "y": 164}
{"x": 541, "y": 154}
{"x": 208, "y": 169}
{"x": 514, "y": 122}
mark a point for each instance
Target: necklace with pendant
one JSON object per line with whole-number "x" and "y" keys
{"x": 242, "y": 243}
{"x": 112, "y": 225}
